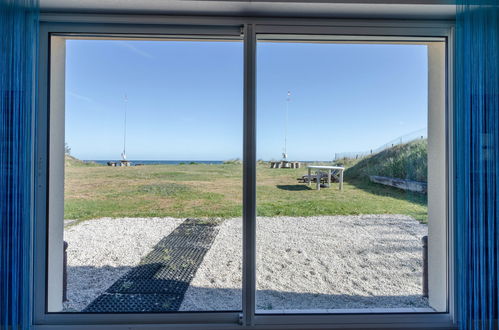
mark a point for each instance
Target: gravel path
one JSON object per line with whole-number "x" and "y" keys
{"x": 102, "y": 250}
{"x": 327, "y": 262}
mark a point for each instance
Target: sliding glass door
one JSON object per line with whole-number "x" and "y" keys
{"x": 221, "y": 177}
{"x": 152, "y": 178}
{"x": 342, "y": 176}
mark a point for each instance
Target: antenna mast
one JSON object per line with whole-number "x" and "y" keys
{"x": 285, "y": 153}
{"x": 123, "y": 154}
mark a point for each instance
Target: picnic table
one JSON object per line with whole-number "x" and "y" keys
{"x": 337, "y": 171}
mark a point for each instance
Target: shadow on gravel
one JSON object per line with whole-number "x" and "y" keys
{"x": 224, "y": 299}
{"x": 208, "y": 299}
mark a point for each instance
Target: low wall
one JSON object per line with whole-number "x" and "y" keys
{"x": 416, "y": 186}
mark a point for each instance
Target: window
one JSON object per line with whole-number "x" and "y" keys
{"x": 152, "y": 128}
{"x": 348, "y": 241}
{"x": 248, "y": 244}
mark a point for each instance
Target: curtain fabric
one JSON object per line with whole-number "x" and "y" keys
{"x": 18, "y": 46}
{"x": 477, "y": 163}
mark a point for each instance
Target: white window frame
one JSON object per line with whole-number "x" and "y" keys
{"x": 49, "y": 140}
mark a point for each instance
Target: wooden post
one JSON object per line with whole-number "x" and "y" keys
{"x": 424, "y": 240}
{"x": 318, "y": 180}
{"x": 309, "y": 176}
{"x": 65, "y": 273}
{"x": 341, "y": 179}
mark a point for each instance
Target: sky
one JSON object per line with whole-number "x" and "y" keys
{"x": 185, "y": 98}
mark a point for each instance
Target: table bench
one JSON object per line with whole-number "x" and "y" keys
{"x": 337, "y": 171}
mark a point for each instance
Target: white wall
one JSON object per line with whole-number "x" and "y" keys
{"x": 437, "y": 178}
{"x": 56, "y": 175}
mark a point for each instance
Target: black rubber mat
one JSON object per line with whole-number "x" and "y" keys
{"x": 144, "y": 270}
{"x": 159, "y": 282}
{"x": 149, "y": 285}
{"x": 134, "y": 303}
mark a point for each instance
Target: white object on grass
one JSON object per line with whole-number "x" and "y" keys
{"x": 330, "y": 170}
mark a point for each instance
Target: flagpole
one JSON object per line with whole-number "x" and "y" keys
{"x": 285, "y": 154}
{"x": 123, "y": 155}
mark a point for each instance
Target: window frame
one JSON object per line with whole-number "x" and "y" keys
{"x": 141, "y": 25}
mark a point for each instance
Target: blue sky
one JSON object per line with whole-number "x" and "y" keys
{"x": 185, "y": 98}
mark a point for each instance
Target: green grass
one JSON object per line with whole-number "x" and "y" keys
{"x": 215, "y": 191}
{"x": 165, "y": 189}
{"x": 404, "y": 161}
{"x": 75, "y": 162}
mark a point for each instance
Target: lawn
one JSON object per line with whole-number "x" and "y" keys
{"x": 200, "y": 190}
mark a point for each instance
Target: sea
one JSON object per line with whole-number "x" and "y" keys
{"x": 160, "y": 162}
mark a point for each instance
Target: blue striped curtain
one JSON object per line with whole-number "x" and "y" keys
{"x": 477, "y": 163}
{"x": 18, "y": 46}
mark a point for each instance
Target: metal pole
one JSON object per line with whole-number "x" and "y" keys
{"x": 286, "y": 127}
{"x": 424, "y": 240}
{"x": 249, "y": 177}
{"x": 65, "y": 273}
{"x": 124, "y": 130}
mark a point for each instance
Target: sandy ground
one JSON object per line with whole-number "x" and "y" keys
{"x": 311, "y": 263}
{"x": 101, "y": 250}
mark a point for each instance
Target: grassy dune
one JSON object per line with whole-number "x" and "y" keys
{"x": 404, "y": 161}
{"x": 200, "y": 190}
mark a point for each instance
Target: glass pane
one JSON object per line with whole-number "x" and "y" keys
{"x": 341, "y": 177}
{"x": 153, "y": 189}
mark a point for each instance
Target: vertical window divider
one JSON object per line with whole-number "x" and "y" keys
{"x": 249, "y": 177}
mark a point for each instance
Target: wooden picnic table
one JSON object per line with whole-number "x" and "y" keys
{"x": 330, "y": 170}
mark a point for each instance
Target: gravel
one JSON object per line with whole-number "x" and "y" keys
{"x": 102, "y": 250}
{"x": 305, "y": 263}
{"x": 218, "y": 281}
{"x": 311, "y": 263}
